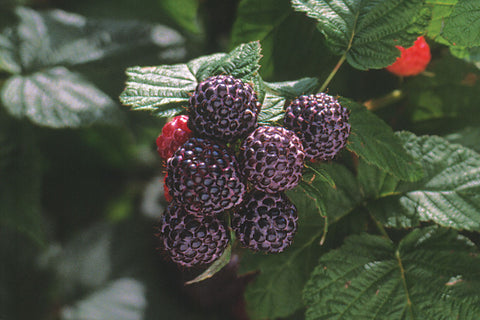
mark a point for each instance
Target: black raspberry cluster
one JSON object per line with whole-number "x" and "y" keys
{"x": 207, "y": 180}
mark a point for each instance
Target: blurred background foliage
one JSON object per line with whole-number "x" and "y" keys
{"x": 80, "y": 180}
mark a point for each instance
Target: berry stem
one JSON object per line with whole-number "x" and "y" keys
{"x": 384, "y": 101}
{"x": 332, "y": 74}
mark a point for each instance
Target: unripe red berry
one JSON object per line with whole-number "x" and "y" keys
{"x": 413, "y": 60}
{"x": 174, "y": 134}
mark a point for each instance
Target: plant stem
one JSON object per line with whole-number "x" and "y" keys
{"x": 384, "y": 101}
{"x": 332, "y": 74}
{"x": 404, "y": 281}
{"x": 380, "y": 227}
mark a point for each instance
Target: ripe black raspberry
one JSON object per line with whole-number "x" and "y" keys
{"x": 204, "y": 177}
{"x": 321, "y": 123}
{"x": 191, "y": 240}
{"x": 272, "y": 159}
{"x": 265, "y": 222}
{"x": 223, "y": 108}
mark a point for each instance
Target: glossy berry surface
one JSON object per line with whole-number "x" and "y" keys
{"x": 265, "y": 222}
{"x": 174, "y": 134}
{"x": 204, "y": 177}
{"x": 190, "y": 240}
{"x": 321, "y": 123}
{"x": 413, "y": 60}
{"x": 223, "y": 108}
{"x": 272, "y": 159}
{"x": 166, "y": 192}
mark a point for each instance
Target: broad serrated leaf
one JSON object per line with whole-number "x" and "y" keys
{"x": 57, "y": 37}
{"x": 276, "y": 292}
{"x": 432, "y": 273}
{"x": 441, "y": 9}
{"x": 20, "y": 180}
{"x": 471, "y": 55}
{"x": 122, "y": 299}
{"x": 374, "y": 141}
{"x": 57, "y": 98}
{"x": 448, "y": 194}
{"x": 366, "y": 32}
{"x": 468, "y": 137}
{"x": 165, "y": 90}
{"x": 462, "y": 25}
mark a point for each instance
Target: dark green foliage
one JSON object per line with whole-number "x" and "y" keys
{"x": 389, "y": 229}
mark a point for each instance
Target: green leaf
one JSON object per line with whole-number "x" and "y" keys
{"x": 276, "y": 291}
{"x": 8, "y": 61}
{"x": 449, "y": 193}
{"x": 184, "y": 12}
{"x": 374, "y": 141}
{"x": 441, "y": 9}
{"x": 214, "y": 267}
{"x": 468, "y": 137}
{"x": 451, "y": 93}
{"x": 432, "y": 273}
{"x": 57, "y": 98}
{"x": 366, "y": 32}
{"x": 294, "y": 89}
{"x": 122, "y": 299}
{"x": 280, "y": 31}
{"x": 165, "y": 90}
{"x": 462, "y": 25}
{"x": 21, "y": 179}
{"x": 272, "y": 109}
{"x": 57, "y": 37}
{"x": 242, "y": 63}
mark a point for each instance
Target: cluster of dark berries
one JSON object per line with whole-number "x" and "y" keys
{"x": 207, "y": 179}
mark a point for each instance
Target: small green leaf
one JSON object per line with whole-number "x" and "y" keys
{"x": 184, "y": 12}
{"x": 294, "y": 89}
{"x": 215, "y": 267}
{"x": 433, "y": 273}
{"x": 462, "y": 25}
{"x": 367, "y": 31}
{"x": 374, "y": 141}
{"x": 272, "y": 109}
{"x": 449, "y": 193}
{"x": 242, "y": 63}
{"x": 57, "y": 98}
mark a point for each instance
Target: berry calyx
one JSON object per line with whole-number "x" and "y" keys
{"x": 265, "y": 222}
{"x": 271, "y": 158}
{"x": 174, "y": 134}
{"x": 413, "y": 60}
{"x": 204, "y": 177}
{"x": 223, "y": 108}
{"x": 321, "y": 123}
{"x": 190, "y": 240}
